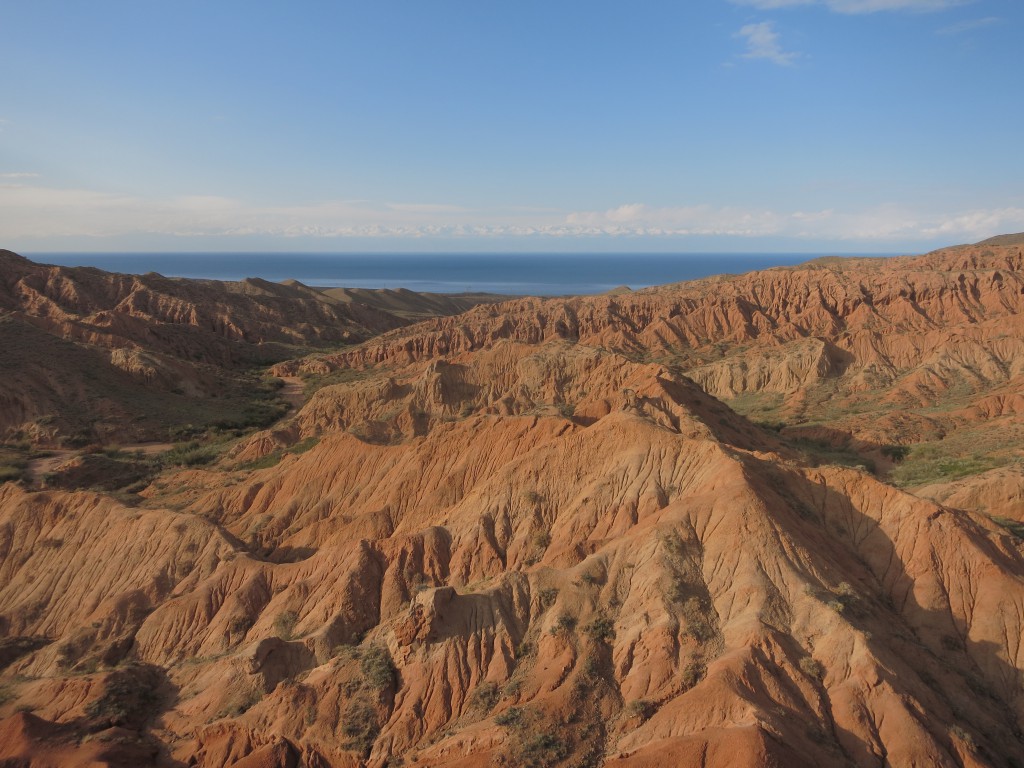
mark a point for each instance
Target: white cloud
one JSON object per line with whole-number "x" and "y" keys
{"x": 637, "y": 219}
{"x": 878, "y": 224}
{"x": 968, "y": 26}
{"x": 770, "y": 5}
{"x": 763, "y": 43}
{"x": 33, "y": 211}
{"x": 857, "y": 6}
{"x": 19, "y": 175}
{"x": 38, "y": 213}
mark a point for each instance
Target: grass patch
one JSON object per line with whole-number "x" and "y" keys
{"x": 14, "y": 462}
{"x": 564, "y": 625}
{"x": 816, "y": 452}
{"x": 510, "y": 718}
{"x": 763, "y": 407}
{"x": 285, "y": 623}
{"x": 1013, "y": 526}
{"x": 600, "y": 630}
{"x": 341, "y": 376}
{"x": 643, "y": 709}
{"x": 11, "y": 474}
{"x": 191, "y": 454}
{"x": 361, "y": 718}
{"x": 696, "y": 613}
{"x": 541, "y": 750}
{"x": 304, "y": 445}
{"x": 926, "y": 464}
{"x": 485, "y": 697}
{"x": 377, "y": 668}
{"x": 530, "y": 744}
{"x": 272, "y": 459}
{"x": 361, "y": 725}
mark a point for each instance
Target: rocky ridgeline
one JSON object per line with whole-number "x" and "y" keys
{"x": 525, "y": 536}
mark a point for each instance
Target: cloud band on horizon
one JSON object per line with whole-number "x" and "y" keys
{"x": 855, "y": 7}
{"x": 39, "y": 213}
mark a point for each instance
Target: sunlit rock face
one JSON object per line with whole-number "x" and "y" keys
{"x": 537, "y": 534}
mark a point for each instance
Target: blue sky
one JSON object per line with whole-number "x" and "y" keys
{"x": 707, "y": 125}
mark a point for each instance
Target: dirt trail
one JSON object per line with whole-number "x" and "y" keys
{"x": 39, "y": 468}
{"x": 293, "y": 391}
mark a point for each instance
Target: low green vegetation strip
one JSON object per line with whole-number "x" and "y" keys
{"x": 14, "y": 459}
{"x": 1013, "y": 526}
{"x": 191, "y": 454}
{"x": 936, "y": 463}
{"x": 339, "y": 376}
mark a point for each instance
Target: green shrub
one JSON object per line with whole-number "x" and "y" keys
{"x": 272, "y": 459}
{"x": 896, "y": 453}
{"x": 377, "y": 668}
{"x": 563, "y": 625}
{"x": 601, "y": 629}
{"x": 541, "y": 751}
{"x": 693, "y": 674}
{"x": 284, "y": 624}
{"x": 1013, "y": 526}
{"x": 190, "y": 454}
{"x": 360, "y": 725}
{"x": 641, "y": 708}
{"x": 240, "y": 625}
{"x": 812, "y": 668}
{"x": 510, "y": 718}
{"x": 304, "y": 445}
{"x": 485, "y": 697}
{"x": 698, "y": 626}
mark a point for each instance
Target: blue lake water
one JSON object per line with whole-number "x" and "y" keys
{"x": 524, "y": 274}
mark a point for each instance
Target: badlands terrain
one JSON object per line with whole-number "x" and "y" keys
{"x": 774, "y": 519}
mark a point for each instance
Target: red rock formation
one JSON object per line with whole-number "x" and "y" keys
{"x": 149, "y": 345}
{"x": 525, "y": 537}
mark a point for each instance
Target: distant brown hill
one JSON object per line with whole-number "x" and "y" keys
{"x": 100, "y": 355}
{"x": 411, "y": 304}
{"x": 209, "y": 321}
{"x": 1003, "y": 240}
{"x": 763, "y": 520}
{"x": 807, "y": 348}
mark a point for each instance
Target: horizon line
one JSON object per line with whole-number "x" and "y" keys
{"x": 137, "y": 252}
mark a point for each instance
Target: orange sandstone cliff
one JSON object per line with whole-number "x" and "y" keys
{"x": 537, "y": 534}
